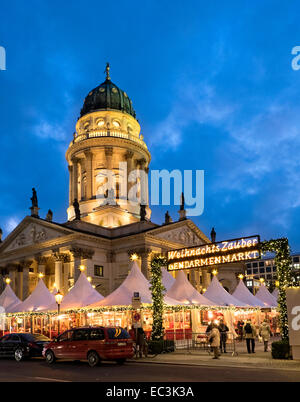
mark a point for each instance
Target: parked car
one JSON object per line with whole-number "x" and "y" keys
{"x": 91, "y": 343}
{"x": 22, "y": 345}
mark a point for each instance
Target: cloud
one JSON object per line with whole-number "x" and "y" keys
{"x": 47, "y": 130}
{"x": 11, "y": 223}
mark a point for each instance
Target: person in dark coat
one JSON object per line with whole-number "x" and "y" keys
{"x": 223, "y": 336}
{"x": 141, "y": 342}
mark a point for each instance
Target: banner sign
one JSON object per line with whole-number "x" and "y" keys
{"x": 227, "y": 251}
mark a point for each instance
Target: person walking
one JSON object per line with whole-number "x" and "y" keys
{"x": 214, "y": 340}
{"x": 265, "y": 333}
{"x": 141, "y": 342}
{"x": 223, "y": 329}
{"x": 250, "y": 335}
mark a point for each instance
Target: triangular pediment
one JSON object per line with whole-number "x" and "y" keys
{"x": 32, "y": 231}
{"x": 183, "y": 232}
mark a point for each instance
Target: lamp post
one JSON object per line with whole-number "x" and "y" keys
{"x": 58, "y": 299}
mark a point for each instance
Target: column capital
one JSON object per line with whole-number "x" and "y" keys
{"x": 41, "y": 259}
{"x": 26, "y": 263}
{"x": 129, "y": 154}
{"x": 61, "y": 257}
{"x": 79, "y": 252}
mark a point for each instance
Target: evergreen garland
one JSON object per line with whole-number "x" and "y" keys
{"x": 157, "y": 289}
{"x": 283, "y": 264}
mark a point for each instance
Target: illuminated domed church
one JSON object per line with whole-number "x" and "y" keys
{"x": 103, "y": 229}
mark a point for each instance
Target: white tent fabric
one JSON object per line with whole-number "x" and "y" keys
{"x": 167, "y": 279}
{"x": 40, "y": 299}
{"x": 220, "y": 297}
{"x": 54, "y": 291}
{"x": 265, "y": 296}
{"x": 82, "y": 294}
{"x": 8, "y": 300}
{"x": 183, "y": 291}
{"x": 243, "y": 294}
{"x": 275, "y": 293}
{"x": 134, "y": 282}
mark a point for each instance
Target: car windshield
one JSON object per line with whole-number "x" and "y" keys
{"x": 35, "y": 338}
{"x": 117, "y": 333}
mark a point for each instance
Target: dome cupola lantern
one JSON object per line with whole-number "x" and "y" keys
{"x": 107, "y": 138}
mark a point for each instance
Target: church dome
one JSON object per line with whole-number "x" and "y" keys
{"x": 107, "y": 96}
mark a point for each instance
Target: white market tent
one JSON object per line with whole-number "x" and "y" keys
{"x": 220, "y": 297}
{"x": 134, "y": 282}
{"x": 167, "y": 279}
{"x": 265, "y": 296}
{"x": 8, "y": 300}
{"x": 40, "y": 299}
{"x": 243, "y": 294}
{"x": 82, "y": 294}
{"x": 275, "y": 293}
{"x": 183, "y": 291}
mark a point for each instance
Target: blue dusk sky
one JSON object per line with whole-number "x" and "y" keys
{"x": 212, "y": 85}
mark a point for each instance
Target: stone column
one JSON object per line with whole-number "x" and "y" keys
{"x": 206, "y": 278}
{"x": 25, "y": 288}
{"x": 110, "y": 258}
{"x": 193, "y": 278}
{"x": 19, "y": 290}
{"x": 129, "y": 160}
{"x": 89, "y": 174}
{"x": 59, "y": 260}
{"x": 12, "y": 273}
{"x": 80, "y": 255}
{"x": 41, "y": 261}
{"x": 71, "y": 183}
{"x": 66, "y": 274}
{"x": 108, "y": 155}
{"x": 75, "y": 178}
{"x": 86, "y": 260}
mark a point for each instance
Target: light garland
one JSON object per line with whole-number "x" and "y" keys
{"x": 157, "y": 289}
{"x": 283, "y": 264}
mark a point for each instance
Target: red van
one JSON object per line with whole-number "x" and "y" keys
{"x": 91, "y": 343}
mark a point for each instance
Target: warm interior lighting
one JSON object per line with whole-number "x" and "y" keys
{"x": 89, "y": 279}
{"x": 82, "y": 268}
{"x": 261, "y": 280}
{"x": 241, "y": 277}
{"x": 41, "y": 275}
{"x": 7, "y": 281}
{"x": 134, "y": 257}
{"x": 58, "y": 297}
{"x": 277, "y": 284}
{"x": 215, "y": 272}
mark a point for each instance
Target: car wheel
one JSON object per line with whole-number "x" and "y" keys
{"x": 50, "y": 357}
{"x": 19, "y": 355}
{"x": 121, "y": 361}
{"x": 93, "y": 359}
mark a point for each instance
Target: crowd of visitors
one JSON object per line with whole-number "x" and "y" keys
{"x": 217, "y": 335}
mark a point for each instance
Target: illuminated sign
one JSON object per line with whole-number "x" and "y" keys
{"x": 227, "y": 251}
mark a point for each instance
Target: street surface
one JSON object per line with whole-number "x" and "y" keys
{"x": 65, "y": 371}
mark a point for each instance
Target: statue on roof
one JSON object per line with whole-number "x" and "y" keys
{"x": 76, "y": 209}
{"x": 213, "y": 235}
{"x": 34, "y": 199}
{"x": 143, "y": 212}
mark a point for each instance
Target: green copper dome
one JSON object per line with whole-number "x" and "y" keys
{"x": 107, "y": 96}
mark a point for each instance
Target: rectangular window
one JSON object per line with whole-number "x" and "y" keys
{"x": 254, "y": 265}
{"x": 261, "y": 270}
{"x": 98, "y": 270}
{"x": 255, "y": 271}
{"x": 261, "y": 264}
{"x": 249, "y": 272}
{"x": 295, "y": 259}
{"x": 268, "y": 269}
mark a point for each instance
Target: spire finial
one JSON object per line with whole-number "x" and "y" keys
{"x": 107, "y": 68}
